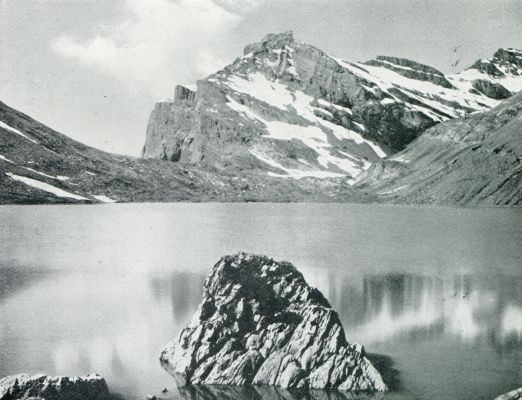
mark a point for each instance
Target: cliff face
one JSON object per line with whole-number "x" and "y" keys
{"x": 260, "y": 323}
{"x": 178, "y": 116}
{"x": 289, "y": 110}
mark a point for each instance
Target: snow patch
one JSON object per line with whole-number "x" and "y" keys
{"x": 51, "y": 151}
{"x": 259, "y": 87}
{"x": 394, "y": 190}
{"x": 6, "y": 159}
{"x": 387, "y": 100}
{"x": 294, "y": 173}
{"x": 401, "y": 158}
{"x": 104, "y": 199}
{"x": 44, "y": 186}
{"x": 323, "y": 111}
{"x": 360, "y": 126}
{"x": 13, "y": 130}
{"x": 59, "y": 177}
{"x": 338, "y": 107}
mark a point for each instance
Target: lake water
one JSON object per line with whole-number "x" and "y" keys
{"x": 102, "y": 288}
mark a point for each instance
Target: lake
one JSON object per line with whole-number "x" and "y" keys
{"x": 102, "y": 288}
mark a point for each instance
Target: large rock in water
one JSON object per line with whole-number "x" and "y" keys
{"x": 260, "y": 323}
{"x": 22, "y": 386}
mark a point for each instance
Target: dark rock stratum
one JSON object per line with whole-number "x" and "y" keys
{"x": 260, "y": 323}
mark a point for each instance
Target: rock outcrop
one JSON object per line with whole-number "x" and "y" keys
{"x": 260, "y": 323}
{"x": 91, "y": 387}
{"x": 412, "y": 69}
{"x": 491, "y": 89}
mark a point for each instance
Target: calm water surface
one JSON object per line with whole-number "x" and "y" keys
{"x": 102, "y": 288}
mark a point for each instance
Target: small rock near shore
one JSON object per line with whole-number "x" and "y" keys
{"x": 43, "y": 387}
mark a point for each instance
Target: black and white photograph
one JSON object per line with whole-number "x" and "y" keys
{"x": 260, "y": 199}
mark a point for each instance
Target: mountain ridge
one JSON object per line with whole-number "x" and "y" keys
{"x": 287, "y": 122}
{"x": 292, "y": 110}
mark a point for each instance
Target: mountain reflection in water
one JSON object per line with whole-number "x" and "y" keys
{"x": 397, "y": 307}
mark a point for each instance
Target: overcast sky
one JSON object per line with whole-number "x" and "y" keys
{"x": 93, "y": 69}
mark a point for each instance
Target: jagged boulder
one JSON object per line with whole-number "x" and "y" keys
{"x": 23, "y": 386}
{"x": 260, "y": 323}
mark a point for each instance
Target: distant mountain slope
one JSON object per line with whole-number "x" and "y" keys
{"x": 473, "y": 160}
{"x": 290, "y": 110}
{"x": 39, "y": 165}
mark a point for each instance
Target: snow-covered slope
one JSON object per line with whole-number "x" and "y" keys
{"x": 286, "y": 109}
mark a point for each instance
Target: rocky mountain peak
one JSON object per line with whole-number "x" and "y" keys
{"x": 505, "y": 62}
{"x": 289, "y": 110}
{"x": 270, "y": 42}
{"x": 509, "y": 55}
{"x": 498, "y": 77}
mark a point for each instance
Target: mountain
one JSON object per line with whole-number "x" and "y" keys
{"x": 40, "y": 165}
{"x": 472, "y": 160}
{"x": 287, "y": 109}
{"x": 288, "y": 122}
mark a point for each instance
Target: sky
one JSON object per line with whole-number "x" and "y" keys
{"x": 93, "y": 69}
